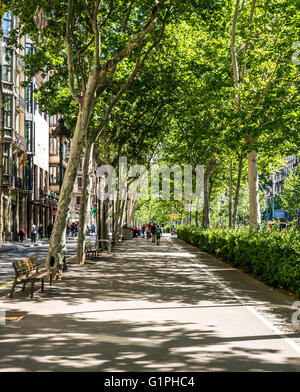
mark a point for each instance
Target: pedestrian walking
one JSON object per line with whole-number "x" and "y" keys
{"x": 33, "y": 233}
{"x": 76, "y": 229}
{"x": 158, "y": 233}
{"x": 143, "y": 230}
{"x": 49, "y": 230}
{"x": 148, "y": 232}
{"x": 22, "y": 234}
{"x": 153, "y": 230}
{"x": 68, "y": 230}
{"x": 40, "y": 231}
{"x": 93, "y": 229}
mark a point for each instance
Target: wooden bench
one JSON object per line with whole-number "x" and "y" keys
{"x": 27, "y": 270}
{"x": 90, "y": 250}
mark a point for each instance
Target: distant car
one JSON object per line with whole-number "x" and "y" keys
{"x": 282, "y": 225}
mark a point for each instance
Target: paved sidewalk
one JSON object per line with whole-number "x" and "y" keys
{"x": 151, "y": 308}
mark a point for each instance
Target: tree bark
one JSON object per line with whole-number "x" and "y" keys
{"x": 230, "y": 194}
{"x": 56, "y": 252}
{"x": 205, "y": 215}
{"x": 255, "y": 217}
{"x": 1, "y": 152}
{"x": 206, "y": 192}
{"x": 237, "y": 189}
{"x": 89, "y": 147}
{"x": 104, "y": 228}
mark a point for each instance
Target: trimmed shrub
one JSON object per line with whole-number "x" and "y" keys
{"x": 271, "y": 256}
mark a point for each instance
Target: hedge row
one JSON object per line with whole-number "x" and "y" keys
{"x": 271, "y": 256}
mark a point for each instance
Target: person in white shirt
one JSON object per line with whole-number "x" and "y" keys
{"x": 33, "y": 233}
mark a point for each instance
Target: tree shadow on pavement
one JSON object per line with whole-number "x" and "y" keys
{"x": 142, "y": 308}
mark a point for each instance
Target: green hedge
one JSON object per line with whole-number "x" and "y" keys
{"x": 271, "y": 256}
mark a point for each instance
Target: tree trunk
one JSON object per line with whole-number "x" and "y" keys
{"x": 255, "y": 217}
{"x": 57, "y": 249}
{"x": 89, "y": 147}
{"x": 237, "y": 189}
{"x": 104, "y": 228}
{"x": 205, "y": 215}
{"x": 230, "y": 194}
{"x": 131, "y": 208}
{"x": 1, "y": 151}
{"x": 118, "y": 219}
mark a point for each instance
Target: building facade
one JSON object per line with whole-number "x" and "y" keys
{"x": 17, "y": 185}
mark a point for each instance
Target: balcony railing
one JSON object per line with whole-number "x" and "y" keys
{"x": 21, "y": 183}
{"x": 8, "y": 133}
{"x": 21, "y": 103}
{"x": 7, "y": 179}
{"x": 20, "y": 141}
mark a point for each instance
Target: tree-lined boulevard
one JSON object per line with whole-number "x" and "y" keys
{"x": 171, "y": 116}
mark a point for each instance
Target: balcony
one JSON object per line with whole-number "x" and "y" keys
{"x": 8, "y": 135}
{"x": 20, "y": 183}
{"x": 20, "y": 103}
{"x": 20, "y": 142}
{"x": 7, "y": 179}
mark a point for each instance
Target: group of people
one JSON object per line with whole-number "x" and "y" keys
{"x": 34, "y": 231}
{"x": 72, "y": 229}
{"x": 91, "y": 230}
{"x": 153, "y": 231}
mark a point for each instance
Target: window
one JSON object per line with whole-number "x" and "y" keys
{"x": 7, "y": 111}
{"x": 28, "y": 48}
{"x": 6, "y": 67}
{"x": 7, "y": 23}
{"x": 6, "y": 159}
{"x": 18, "y": 123}
{"x": 28, "y": 97}
{"x": 53, "y": 175}
{"x": 78, "y": 200}
{"x": 53, "y": 148}
{"x": 79, "y": 183}
{"x": 28, "y": 135}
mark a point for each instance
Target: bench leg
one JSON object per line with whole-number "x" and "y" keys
{"x": 13, "y": 289}
{"x": 51, "y": 279}
{"x": 42, "y": 286}
{"x": 24, "y": 285}
{"x": 32, "y": 287}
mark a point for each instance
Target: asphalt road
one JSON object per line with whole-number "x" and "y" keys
{"x": 152, "y": 308}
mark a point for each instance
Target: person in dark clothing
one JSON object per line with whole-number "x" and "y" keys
{"x": 153, "y": 230}
{"x": 158, "y": 234}
{"x": 49, "y": 229}
{"x": 40, "y": 231}
{"x": 22, "y": 234}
